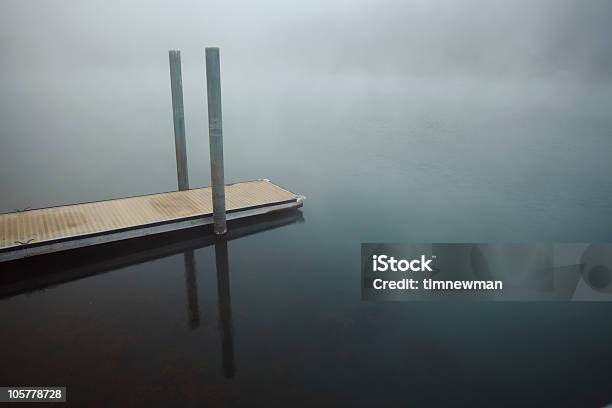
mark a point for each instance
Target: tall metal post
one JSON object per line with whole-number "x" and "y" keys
{"x": 176, "y": 83}
{"x": 215, "y": 136}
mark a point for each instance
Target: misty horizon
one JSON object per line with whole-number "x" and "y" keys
{"x": 565, "y": 39}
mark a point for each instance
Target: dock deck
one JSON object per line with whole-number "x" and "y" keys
{"x": 54, "y": 229}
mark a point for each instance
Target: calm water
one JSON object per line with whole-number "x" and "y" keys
{"x": 274, "y": 314}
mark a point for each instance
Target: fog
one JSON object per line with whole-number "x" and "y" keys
{"x": 323, "y": 96}
{"x": 400, "y": 121}
{"x": 549, "y": 38}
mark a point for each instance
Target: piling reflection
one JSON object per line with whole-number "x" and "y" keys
{"x": 225, "y": 308}
{"x": 191, "y": 286}
{"x": 224, "y": 302}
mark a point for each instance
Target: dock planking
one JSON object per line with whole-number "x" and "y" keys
{"x": 54, "y": 229}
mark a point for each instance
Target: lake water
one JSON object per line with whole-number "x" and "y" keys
{"x": 274, "y": 315}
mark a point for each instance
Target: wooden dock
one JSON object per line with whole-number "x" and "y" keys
{"x": 54, "y": 229}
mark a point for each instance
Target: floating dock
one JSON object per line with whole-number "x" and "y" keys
{"x": 40, "y": 272}
{"x": 47, "y": 230}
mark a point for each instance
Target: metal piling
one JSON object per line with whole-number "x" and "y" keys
{"x": 215, "y": 135}
{"x": 178, "y": 114}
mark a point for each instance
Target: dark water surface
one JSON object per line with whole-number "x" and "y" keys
{"x": 273, "y": 315}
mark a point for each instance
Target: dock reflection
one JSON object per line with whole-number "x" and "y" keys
{"x": 42, "y": 272}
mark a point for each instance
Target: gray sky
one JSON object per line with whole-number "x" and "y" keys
{"x": 419, "y": 37}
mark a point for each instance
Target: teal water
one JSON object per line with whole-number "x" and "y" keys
{"x": 276, "y": 317}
